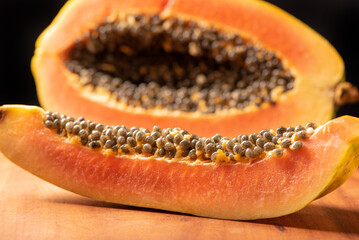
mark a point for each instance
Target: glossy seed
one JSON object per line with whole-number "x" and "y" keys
{"x": 246, "y": 144}
{"x": 216, "y": 138}
{"x": 183, "y": 132}
{"x": 169, "y": 138}
{"x": 109, "y": 133}
{"x": 124, "y": 148}
{"x": 178, "y": 138}
{"x": 286, "y": 143}
{"x": 244, "y": 138}
{"x": 268, "y": 136}
{"x": 302, "y": 134}
{"x": 249, "y": 153}
{"x": 99, "y": 127}
{"x": 193, "y": 143}
{"x": 91, "y": 125}
{"x": 138, "y": 149}
{"x": 210, "y": 147}
{"x": 299, "y": 128}
{"x": 155, "y": 135}
{"x": 150, "y": 140}
{"x": 156, "y": 129}
{"x": 260, "y": 142}
{"x": 171, "y": 154}
{"x": 231, "y": 157}
{"x": 48, "y": 123}
{"x": 263, "y": 132}
{"x": 83, "y": 133}
{"x": 192, "y": 154}
{"x": 121, "y": 140}
{"x": 208, "y": 140}
{"x": 84, "y": 141}
{"x": 131, "y": 142}
{"x": 109, "y": 143}
{"x": 134, "y": 129}
{"x": 95, "y": 135}
{"x": 290, "y": 129}
{"x": 288, "y": 134}
{"x": 237, "y": 148}
{"x": 169, "y": 146}
{"x": 83, "y": 124}
{"x": 297, "y": 145}
{"x": 200, "y": 145}
{"x": 68, "y": 127}
{"x": 219, "y": 147}
{"x": 147, "y": 148}
{"x": 275, "y": 139}
{"x": 311, "y": 125}
{"x": 161, "y": 152}
{"x": 257, "y": 150}
{"x": 122, "y": 132}
{"x": 281, "y": 130}
{"x": 185, "y": 152}
{"x": 56, "y": 124}
{"x": 115, "y": 148}
{"x": 214, "y": 156}
{"x": 185, "y": 144}
{"x": 160, "y": 142}
{"x": 277, "y": 152}
{"x": 229, "y": 145}
{"x": 253, "y": 138}
{"x": 103, "y": 138}
{"x": 94, "y": 144}
{"x": 140, "y": 136}
{"x": 269, "y": 146}
{"x": 63, "y": 123}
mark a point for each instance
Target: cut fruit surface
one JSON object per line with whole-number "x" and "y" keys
{"x": 265, "y": 187}
{"x": 243, "y": 67}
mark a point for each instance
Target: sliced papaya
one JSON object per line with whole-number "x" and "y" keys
{"x": 205, "y": 66}
{"x": 77, "y": 155}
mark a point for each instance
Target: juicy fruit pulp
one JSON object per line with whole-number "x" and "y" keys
{"x": 266, "y": 188}
{"x": 226, "y": 72}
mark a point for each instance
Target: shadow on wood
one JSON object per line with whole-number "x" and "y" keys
{"x": 312, "y": 217}
{"x": 320, "y": 218}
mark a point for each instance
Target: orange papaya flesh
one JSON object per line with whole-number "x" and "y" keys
{"x": 315, "y": 64}
{"x": 266, "y": 188}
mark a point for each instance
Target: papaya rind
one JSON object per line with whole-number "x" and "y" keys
{"x": 346, "y": 167}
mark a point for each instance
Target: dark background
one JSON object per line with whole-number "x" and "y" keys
{"x": 23, "y": 20}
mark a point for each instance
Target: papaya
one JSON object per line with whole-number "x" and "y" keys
{"x": 205, "y": 66}
{"x": 126, "y": 166}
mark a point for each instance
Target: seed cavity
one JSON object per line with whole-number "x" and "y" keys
{"x": 151, "y": 62}
{"x": 176, "y": 143}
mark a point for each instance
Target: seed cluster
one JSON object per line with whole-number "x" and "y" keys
{"x": 177, "y": 143}
{"x": 150, "y": 61}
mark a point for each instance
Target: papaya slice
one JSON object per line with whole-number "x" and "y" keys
{"x": 244, "y": 67}
{"x": 265, "y": 186}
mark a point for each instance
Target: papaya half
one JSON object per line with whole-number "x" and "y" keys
{"x": 204, "y": 65}
{"x": 77, "y": 155}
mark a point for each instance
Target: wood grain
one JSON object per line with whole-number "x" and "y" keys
{"x": 34, "y": 209}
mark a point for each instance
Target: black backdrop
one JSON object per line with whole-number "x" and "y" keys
{"x": 23, "y": 20}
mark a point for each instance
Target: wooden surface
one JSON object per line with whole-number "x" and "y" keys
{"x": 34, "y": 209}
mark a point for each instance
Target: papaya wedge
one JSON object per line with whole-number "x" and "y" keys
{"x": 266, "y": 187}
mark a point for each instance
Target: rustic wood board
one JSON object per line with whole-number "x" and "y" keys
{"x": 31, "y": 208}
